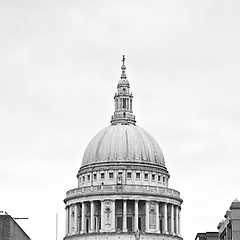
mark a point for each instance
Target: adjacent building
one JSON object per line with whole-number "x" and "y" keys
{"x": 229, "y": 228}
{"x": 123, "y": 183}
{"x": 10, "y": 230}
{"x": 207, "y": 236}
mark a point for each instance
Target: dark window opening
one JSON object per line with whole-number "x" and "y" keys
{"x": 129, "y": 224}
{"x": 139, "y": 224}
{"x": 119, "y": 223}
{"x": 124, "y": 103}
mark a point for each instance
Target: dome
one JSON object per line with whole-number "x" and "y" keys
{"x": 123, "y": 81}
{"x": 123, "y": 142}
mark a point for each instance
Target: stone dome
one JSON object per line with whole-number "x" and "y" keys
{"x": 123, "y": 82}
{"x": 123, "y": 142}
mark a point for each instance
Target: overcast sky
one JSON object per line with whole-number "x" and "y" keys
{"x": 59, "y": 66}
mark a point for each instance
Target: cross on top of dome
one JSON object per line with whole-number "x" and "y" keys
{"x": 123, "y": 68}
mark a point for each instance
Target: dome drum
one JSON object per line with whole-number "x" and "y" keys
{"x": 123, "y": 165}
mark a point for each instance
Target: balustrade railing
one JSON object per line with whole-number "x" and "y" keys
{"x": 124, "y": 189}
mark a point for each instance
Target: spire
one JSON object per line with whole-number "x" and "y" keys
{"x": 123, "y": 68}
{"x": 123, "y": 101}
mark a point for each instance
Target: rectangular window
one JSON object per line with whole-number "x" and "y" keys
{"x": 146, "y": 176}
{"x": 138, "y": 175}
{"x": 102, "y": 175}
{"x": 164, "y": 179}
{"x": 110, "y": 175}
{"x": 119, "y": 178}
{"x": 129, "y": 175}
{"x": 94, "y": 176}
{"x": 88, "y": 177}
{"x": 153, "y": 177}
{"x": 159, "y": 178}
{"x": 124, "y": 102}
{"x": 83, "y": 178}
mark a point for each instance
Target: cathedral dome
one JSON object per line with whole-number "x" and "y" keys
{"x": 123, "y": 143}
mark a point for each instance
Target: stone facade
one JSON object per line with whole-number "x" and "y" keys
{"x": 123, "y": 183}
{"x": 10, "y": 230}
{"x": 207, "y": 236}
{"x": 229, "y": 228}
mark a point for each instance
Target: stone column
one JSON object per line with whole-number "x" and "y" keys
{"x": 124, "y": 215}
{"x": 76, "y": 218}
{"x": 92, "y": 225}
{"x": 179, "y": 222}
{"x": 136, "y": 215}
{"x": 157, "y": 217}
{"x": 67, "y": 220}
{"x": 177, "y": 216}
{"x": 165, "y": 225}
{"x": 102, "y": 216}
{"x": 113, "y": 216}
{"x": 83, "y": 218}
{"x": 172, "y": 219}
{"x": 147, "y": 217}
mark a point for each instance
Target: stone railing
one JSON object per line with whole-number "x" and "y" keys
{"x": 138, "y": 189}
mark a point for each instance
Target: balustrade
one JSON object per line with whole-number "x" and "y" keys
{"x": 123, "y": 188}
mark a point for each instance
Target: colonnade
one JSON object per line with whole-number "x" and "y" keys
{"x": 123, "y": 216}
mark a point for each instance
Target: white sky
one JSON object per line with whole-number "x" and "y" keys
{"x": 60, "y": 63}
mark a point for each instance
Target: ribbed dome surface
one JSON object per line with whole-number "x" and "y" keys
{"x": 123, "y": 143}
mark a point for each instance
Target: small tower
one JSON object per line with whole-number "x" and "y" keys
{"x": 123, "y": 113}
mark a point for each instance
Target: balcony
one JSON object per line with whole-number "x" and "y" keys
{"x": 123, "y": 189}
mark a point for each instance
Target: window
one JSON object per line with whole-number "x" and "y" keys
{"x": 159, "y": 178}
{"x": 138, "y": 175}
{"x": 129, "y": 175}
{"x": 102, "y": 175}
{"x": 153, "y": 177}
{"x": 164, "y": 179}
{"x": 110, "y": 175}
{"x": 94, "y": 176}
{"x": 119, "y": 178}
{"x": 88, "y": 177}
{"x": 124, "y": 102}
{"x": 83, "y": 178}
{"x": 146, "y": 176}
